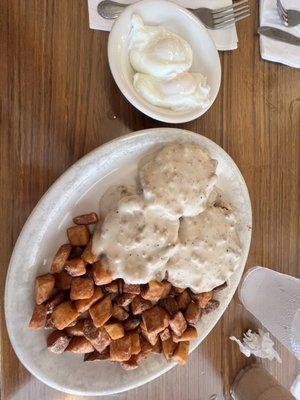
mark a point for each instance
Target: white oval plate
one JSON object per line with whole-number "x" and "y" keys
{"x": 176, "y": 19}
{"x": 78, "y": 191}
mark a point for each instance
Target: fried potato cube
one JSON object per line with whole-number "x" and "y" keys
{"x": 43, "y": 288}
{"x": 177, "y": 289}
{"x": 193, "y": 313}
{"x": 202, "y": 298}
{"x": 49, "y": 323}
{"x": 101, "y": 274}
{"x": 130, "y": 364}
{"x": 189, "y": 334}
{"x": 86, "y": 219}
{"x": 97, "y": 336}
{"x": 124, "y": 299}
{"x": 167, "y": 289}
{"x": 151, "y": 337}
{"x": 87, "y": 254}
{"x": 84, "y": 304}
{"x": 75, "y": 252}
{"x": 220, "y": 287}
{"x": 55, "y": 300}
{"x": 60, "y": 258}
{"x": 80, "y": 345}
{"x": 156, "y": 319}
{"x": 131, "y": 323}
{"x": 138, "y": 305}
{"x": 170, "y": 305}
{"x": 133, "y": 289}
{"x": 205, "y": 299}
{"x": 82, "y": 288}
{"x": 112, "y": 287}
{"x": 115, "y": 331}
{"x": 156, "y": 290}
{"x": 211, "y": 306}
{"x": 73, "y": 323}
{"x": 135, "y": 342}
{"x": 165, "y": 334}
{"x": 157, "y": 348}
{"x": 95, "y": 356}
{"x": 168, "y": 347}
{"x": 181, "y": 353}
{"x": 78, "y": 235}
{"x": 146, "y": 349}
{"x": 119, "y": 313}
{"x": 183, "y": 300}
{"x": 39, "y": 317}
{"x": 120, "y": 349}
{"x": 101, "y": 311}
{"x": 178, "y": 323}
{"x": 76, "y": 330}
{"x": 63, "y": 280}
{"x": 63, "y": 315}
{"x": 57, "y": 342}
{"x": 75, "y": 267}
{"x": 120, "y": 284}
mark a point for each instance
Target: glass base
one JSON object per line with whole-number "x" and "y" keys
{"x": 255, "y": 383}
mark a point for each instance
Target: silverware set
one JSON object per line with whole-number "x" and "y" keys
{"x": 223, "y": 17}
{"x": 290, "y": 18}
{"x": 219, "y": 18}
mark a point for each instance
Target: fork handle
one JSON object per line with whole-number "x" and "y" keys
{"x": 109, "y": 9}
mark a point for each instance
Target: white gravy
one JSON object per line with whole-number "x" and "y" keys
{"x": 110, "y": 199}
{"x": 208, "y": 252}
{"x": 180, "y": 178}
{"x": 179, "y": 225}
{"x": 137, "y": 240}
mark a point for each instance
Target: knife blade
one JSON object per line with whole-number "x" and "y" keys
{"x": 278, "y": 34}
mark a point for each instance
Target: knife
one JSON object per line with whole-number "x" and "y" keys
{"x": 278, "y": 34}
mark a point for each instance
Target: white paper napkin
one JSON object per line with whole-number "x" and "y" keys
{"x": 273, "y": 50}
{"x": 225, "y": 39}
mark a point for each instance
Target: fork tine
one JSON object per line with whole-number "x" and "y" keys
{"x": 281, "y": 8}
{"x": 281, "y": 13}
{"x": 231, "y": 7}
{"x": 231, "y": 14}
{"x": 231, "y": 21}
{"x": 283, "y": 16}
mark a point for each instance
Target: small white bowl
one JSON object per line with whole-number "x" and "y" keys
{"x": 184, "y": 23}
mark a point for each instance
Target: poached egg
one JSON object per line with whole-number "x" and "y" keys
{"x": 184, "y": 92}
{"x": 158, "y": 52}
{"x": 162, "y": 60}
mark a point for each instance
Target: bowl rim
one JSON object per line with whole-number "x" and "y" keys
{"x": 134, "y": 100}
{"x": 36, "y": 210}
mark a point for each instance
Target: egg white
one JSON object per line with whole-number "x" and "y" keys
{"x": 157, "y": 51}
{"x": 185, "y": 92}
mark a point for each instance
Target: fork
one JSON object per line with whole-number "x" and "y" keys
{"x": 212, "y": 19}
{"x": 289, "y": 17}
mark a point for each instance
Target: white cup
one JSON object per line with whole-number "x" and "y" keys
{"x": 274, "y": 299}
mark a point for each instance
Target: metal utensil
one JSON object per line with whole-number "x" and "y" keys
{"x": 212, "y": 19}
{"x": 289, "y": 17}
{"x": 278, "y": 34}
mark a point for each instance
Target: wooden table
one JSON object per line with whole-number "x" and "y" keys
{"x": 59, "y": 101}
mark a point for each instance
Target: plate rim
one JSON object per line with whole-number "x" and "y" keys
{"x": 52, "y": 188}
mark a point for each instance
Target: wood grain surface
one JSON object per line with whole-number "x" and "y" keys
{"x": 58, "y": 101}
